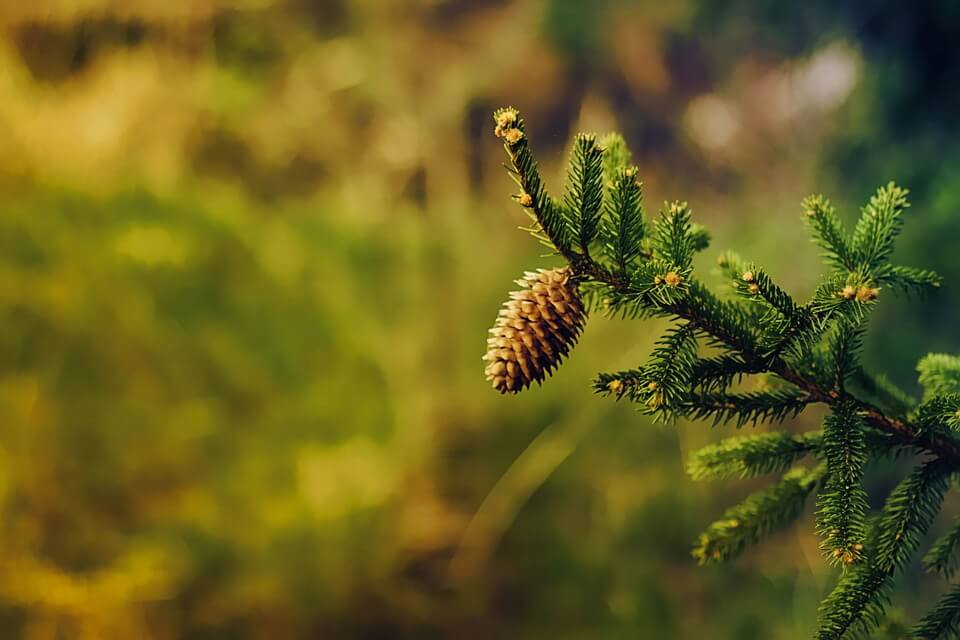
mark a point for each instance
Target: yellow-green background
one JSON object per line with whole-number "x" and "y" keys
{"x": 249, "y": 251}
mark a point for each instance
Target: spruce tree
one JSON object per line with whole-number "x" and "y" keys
{"x": 619, "y": 262}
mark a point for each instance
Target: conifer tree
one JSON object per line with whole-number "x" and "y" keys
{"x": 619, "y": 262}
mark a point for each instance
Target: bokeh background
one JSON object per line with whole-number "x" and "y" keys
{"x": 249, "y": 251}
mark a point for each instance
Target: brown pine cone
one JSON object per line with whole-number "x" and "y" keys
{"x": 536, "y": 327}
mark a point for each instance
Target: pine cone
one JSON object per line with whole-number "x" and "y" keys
{"x": 536, "y": 327}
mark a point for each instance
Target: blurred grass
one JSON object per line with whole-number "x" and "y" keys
{"x": 248, "y": 256}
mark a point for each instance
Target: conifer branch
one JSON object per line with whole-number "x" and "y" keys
{"x": 743, "y": 408}
{"x": 939, "y": 374}
{"x": 907, "y": 279}
{"x": 624, "y": 227}
{"x": 584, "y": 193}
{"x": 858, "y": 600}
{"x": 879, "y": 225}
{"x": 751, "y": 456}
{"x": 944, "y": 554}
{"x": 828, "y": 232}
{"x": 943, "y": 621}
{"x": 756, "y": 517}
{"x": 909, "y": 512}
{"x": 807, "y": 352}
{"x": 842, "y": 505}
{"x": 718, "y": 373}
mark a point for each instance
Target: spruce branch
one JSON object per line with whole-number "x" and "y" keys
{"x": 744, "y": 408}
{"x": 858, "y": 601}
{"x": 551, "y": 224}
{"x": 673, "y": 239}
{"x": 756, "y": 517}
{"x": 584, "y": 194}
{"x": 751, "y": 456}
{"x": 842, "y": 505}
{"x": 616, "y": 158}
{"x": 828, "y": 232}
{"x": 939, "y": 374}
{"x": 879, "y": 225}
{"x": 909, "y": 512}
{"x": 907, "y": 279}
{"x": 806, "y": 353}
{"x": 943, "y": 621}
{"x": 666, "y": 378}
{"x": 944, "y": 554}
{"x": 716, "y": 374}
{"x": 623, "y": 223}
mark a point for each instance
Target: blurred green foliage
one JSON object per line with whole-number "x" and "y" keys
{"x": 249, "y": 255}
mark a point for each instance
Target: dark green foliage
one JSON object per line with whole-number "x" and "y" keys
{"x": 784, "y": 324}
{"x": 842, "y": 505}
{"x": 909, "y": 512}
{"x": 616, "y": 158}
{"x": 939, "y": 374}
{"x": 756, "y": 517}
{"x": 624, "y": 228}
{"x": 944, "y": 554}
{"x": 836, "y": 298}
{"x": 943, "y": 621}
{"x": 725, "y": 323}
{"x": 699, "y": 237}
{"x": 828, "y": 232}
{"x": 673, "y": 239}
{"x": 880, "y": 223}
{"x": 845, "y": 345}
{"x": 939, "y": 413}
{"x": 858, "y": 601}
{"x": 907, "y": 279}
{"x": 551, "y": 225}
{"x": 584, "y": 194}
{"x": 667, "y": 375}
{"x": 744, "y": 408}
{"x": 717, "y": 373}
{"x": 768, "y": 357}
{"x": 751, "y": 456}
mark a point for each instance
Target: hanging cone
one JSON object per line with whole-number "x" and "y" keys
{"x": 536, "y": 327}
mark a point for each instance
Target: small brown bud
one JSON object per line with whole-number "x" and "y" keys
{"x": 673, "y": 279}
{"x": 513, "y": 136}
{"x": 848, "y": 559}
{"x": 615, "y": 386}
{"x": 837, "y": 553}
{"x": 847, "y": 293}
{"x": 525, "y": 200}
{"x": 656, "y": 400}
{"x": 753, "y": 288}
{"x": 865, "y": 293}
{"x": 858, "y": 547}
{"x": 747, "y": 276}
{"x": 652, "y": 385}
{"x": 506, "y": 118}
